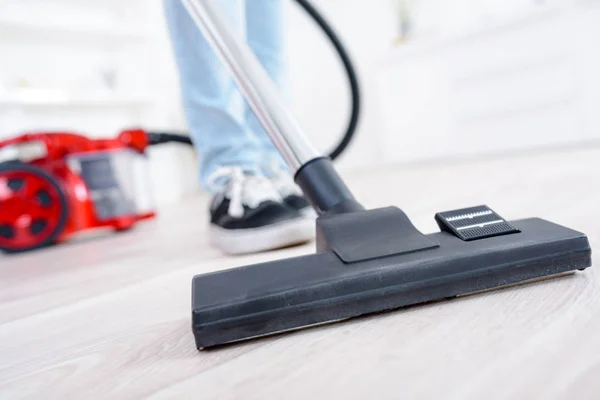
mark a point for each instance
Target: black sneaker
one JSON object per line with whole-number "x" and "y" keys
{"x": 249, "y": 216}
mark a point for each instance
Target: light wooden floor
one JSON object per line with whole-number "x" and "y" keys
{"x": 110, "y": 317}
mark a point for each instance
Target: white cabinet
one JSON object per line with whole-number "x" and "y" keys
{"x": 529, "y": 83}
{"x": 78, "y": 65}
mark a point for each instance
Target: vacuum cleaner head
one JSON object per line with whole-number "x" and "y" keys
{"x": 373, "y": 261}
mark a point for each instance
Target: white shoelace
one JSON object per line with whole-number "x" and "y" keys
{"x": 283, "y": 181}
{"x": 243, "y": 189}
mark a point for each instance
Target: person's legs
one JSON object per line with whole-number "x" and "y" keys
{"x": 248, "y": 213}
{"x": 213, "y": 106}
{"x": 265, "y": 33}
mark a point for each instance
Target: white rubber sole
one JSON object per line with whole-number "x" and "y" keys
{"x": 254, "y": 240}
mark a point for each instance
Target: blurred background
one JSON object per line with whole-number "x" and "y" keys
{"x": 441, "y": 79}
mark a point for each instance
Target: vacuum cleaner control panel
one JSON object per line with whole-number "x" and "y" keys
{"x": 474, "y": 223}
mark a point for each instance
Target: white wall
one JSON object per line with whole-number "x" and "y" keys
{"x": 321, "y": 94}
{"x": 474, "y": 77}
{"x": 58, "y": 58}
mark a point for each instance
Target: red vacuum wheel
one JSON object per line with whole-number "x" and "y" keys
{"x": 33, "y": 208}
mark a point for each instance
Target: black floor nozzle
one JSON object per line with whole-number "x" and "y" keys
{"x": 371, "y": 261}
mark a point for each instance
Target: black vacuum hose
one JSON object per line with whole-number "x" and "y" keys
{"x": 163, "y": 137}
{"x": 350, "y": 72}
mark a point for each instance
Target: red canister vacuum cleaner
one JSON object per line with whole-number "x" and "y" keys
{"x": 57, "y": 184}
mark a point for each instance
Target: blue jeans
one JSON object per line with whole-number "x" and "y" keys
{"x": 223, "y": 128}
